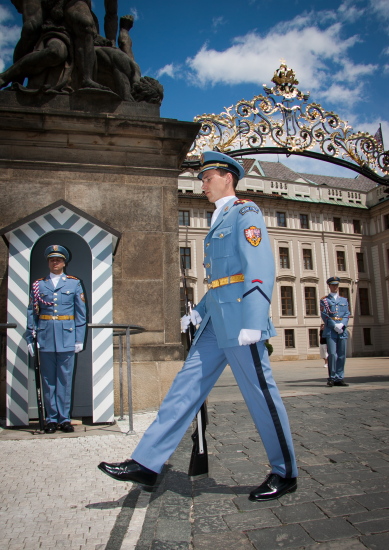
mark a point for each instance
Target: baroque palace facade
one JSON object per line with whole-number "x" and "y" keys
{"x": 318, "y": 226}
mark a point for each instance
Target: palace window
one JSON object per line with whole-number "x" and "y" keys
{"x": 304, "y": 221}
{"x": 341, "y": 260}
{"x": 357, "y": 226}
{"x": 185, "y": 257}
{"x": 183, "y": 217}
{"x": 287, "y": 307}
{"x": 337, "y": 224}
{"x": 281, "y": 219}
{"x": 367, "y": 337}
{"x": 284, "y": 258}
{"x": 310, "y": 300}
{"x": 209, "y": 218}
{"x": 360, "y": 262}
{"x": 313, "y": 338}
{"x": 289, "y": 338}
{"x": 364, "y": 301}
{"x": 307, "y": 258}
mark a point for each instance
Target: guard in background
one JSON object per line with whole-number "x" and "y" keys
{"x": 57, "y": 315}
{"x": 234, "y": 326}
{"x": 335, "y": 314}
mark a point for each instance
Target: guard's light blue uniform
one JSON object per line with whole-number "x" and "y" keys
{"x": 333, "y": 312}
{"x": 237, "y": 244}
{"x": 57, "y": 339}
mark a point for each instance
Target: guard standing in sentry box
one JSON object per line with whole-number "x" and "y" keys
{"x": 234, "y": 326}
{"x": 56, "y": 316}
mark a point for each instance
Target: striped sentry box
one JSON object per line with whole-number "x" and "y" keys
{"x": 102, "y": 241}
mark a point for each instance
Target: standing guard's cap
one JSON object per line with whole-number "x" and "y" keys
{"x": 57, "y": 251}
{"x": 333, "y": 281}
{"x": 212, "y": 159}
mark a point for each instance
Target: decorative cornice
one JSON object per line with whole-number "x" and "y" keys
{"x": 309, "y": 279}
{"x": 290, "y": 278}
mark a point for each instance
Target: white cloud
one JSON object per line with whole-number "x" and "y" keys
{"x": 171, "y": 70}
{"x": 349, "y": 11}
{"x": 380, "y": 7}
{"x": 218, "y": 21}
{"x": 134, "y": 12}
{"x": 319, "y": 57}
{"x": 9, "y": 35}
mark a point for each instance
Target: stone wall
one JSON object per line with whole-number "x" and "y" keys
{"x": 122, "y": 168}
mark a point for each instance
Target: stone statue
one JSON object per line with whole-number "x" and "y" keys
{"x": 60, "y": 51}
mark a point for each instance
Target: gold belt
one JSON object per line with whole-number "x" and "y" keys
{"x": 336, "y": 318}
{"x": 57, "y": 317}
{"x": 239, "y": 278}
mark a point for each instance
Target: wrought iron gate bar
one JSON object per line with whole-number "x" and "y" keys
{"x": 294, "y": 127}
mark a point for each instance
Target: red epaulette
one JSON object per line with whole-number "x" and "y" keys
{"x": 242, "y": 201}
{"x": 71, "y": 277}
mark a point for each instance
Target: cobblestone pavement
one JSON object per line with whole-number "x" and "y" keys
{"x": 53, "y": 496}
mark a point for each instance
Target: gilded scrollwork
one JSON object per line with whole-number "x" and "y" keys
{"x": 292, "y": 124}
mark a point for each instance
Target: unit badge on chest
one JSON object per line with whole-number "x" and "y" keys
{"x": 253, "y": 235}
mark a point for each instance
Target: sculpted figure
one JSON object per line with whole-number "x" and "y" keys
{"x": 111, "y": 20}
{"x": 31, "y": 11}
{"x": 61, "y": 51}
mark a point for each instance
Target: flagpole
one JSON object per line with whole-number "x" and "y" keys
{"x": 382, "y": 137}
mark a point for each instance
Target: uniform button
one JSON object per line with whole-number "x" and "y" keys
{"x": 67, "y": 292}
{"x": 221, "y": 235}
{"x": 71, "y": 328}
{"x": 55, "y": 299}
{"x": 55, "y": 311}
{"x": 208, "y": 265}
{"x": 55, "y": 294}
{"x": 207, "y": 244}
{"x": 239, "y": 299}
{"x": 205, "y": 255}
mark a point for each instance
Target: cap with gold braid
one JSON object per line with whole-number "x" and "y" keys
{"x": 57, "y": 251}
{"x": 212, "y": 159}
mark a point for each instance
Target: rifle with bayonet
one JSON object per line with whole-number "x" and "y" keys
{"x": 38, "y": 386}
{"x": 198, "y": 465}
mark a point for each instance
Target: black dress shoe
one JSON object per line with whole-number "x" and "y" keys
{"x": 274, "y": 487}
{"x": 129, "y": 471}
{"x": 330, "y": 383}
{"x": 340, "y": 383}
{"x": 66, "y": 427}
{"x": 51, "y": 427}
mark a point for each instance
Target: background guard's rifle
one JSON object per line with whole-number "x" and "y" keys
{"x": 198, "y": 465}
{"x": 38, "y": 386}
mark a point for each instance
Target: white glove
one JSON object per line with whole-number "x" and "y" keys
{"x": 249, "y": 336}
{"x": 195, "y": 317}
{"x": 185, "y": 322}
{"x": 30, "y": 348}
{"x": 338, "y": 328}
{"x": 78, "y": 347}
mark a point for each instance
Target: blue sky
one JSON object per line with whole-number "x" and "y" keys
{"x": 209, "y": 54}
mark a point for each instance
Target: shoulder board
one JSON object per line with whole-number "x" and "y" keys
{"x": 71, "y": 277}
{"x": 323, "y": 297}
{"x": 41, "y": 279}
{"x": 242, "y": 201}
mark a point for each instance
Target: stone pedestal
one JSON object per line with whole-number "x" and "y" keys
{"x": 121, "y": 167}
